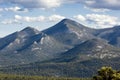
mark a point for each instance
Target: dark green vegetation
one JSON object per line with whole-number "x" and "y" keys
{"x": 63, "y": 69}
{"x": 107, "y": 73}
{"x": 18, "y": 77}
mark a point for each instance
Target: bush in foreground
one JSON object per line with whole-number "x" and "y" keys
{"x": 107, "y": 73}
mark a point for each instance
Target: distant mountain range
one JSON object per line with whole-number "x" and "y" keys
{"x": 68, "y": 44}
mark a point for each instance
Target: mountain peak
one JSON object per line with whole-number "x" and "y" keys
{"x": 69, "y": 26}
{"x": 30, "y": 30}
{"x": 68, "y": 21}
{"x": 27, "y": 32}
{"x": 71, "y": 23}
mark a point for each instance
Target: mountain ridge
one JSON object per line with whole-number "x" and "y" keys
{"x": 30, "y": 45}
{"x": 67, "y": 49}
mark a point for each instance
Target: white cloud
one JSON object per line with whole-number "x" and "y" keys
{"x": 10, "y": 21}
{"x": 29, "y": 19}
{"x": 19, "y": 19}
{"x": 98, "y": 20}
{"x": 97, "y": 9}
{"x": 49, "y": 3}
{"x": 102, "y": 4}
{"x": 97, "y": 4}
{"x": 54, "y": 18}
{"x": 16, "y": 9}
{"x": 80, "y": 17}
{"x": 102, "y": 21}
{"x": 93, "y": 20}
{"x": 34, "y": 3}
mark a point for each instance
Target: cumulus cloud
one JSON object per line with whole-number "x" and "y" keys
{"x": 34, "y": 3}
{"x": 10, "y": 21}
{"x": 18, "y": 19}
{"x": 102, "y": 21}
{"x": 16, "y": 9}
{"x": 103, "y": 4}
{"x": 29, "y": 19}
{"x": 97, "y": 9}
{"x": 80, "y": 17}
{"x": 99, "y": 21}
{"x": 54, "y": 18}
{"x": 97, "y": 4}
{"x": 94, "y": 20}
{"x": 49, "y": 3}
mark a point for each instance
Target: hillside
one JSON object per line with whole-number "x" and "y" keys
{"x": 67, "y": 49}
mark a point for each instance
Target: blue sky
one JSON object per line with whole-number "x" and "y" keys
{"x": 41, "y": 14}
